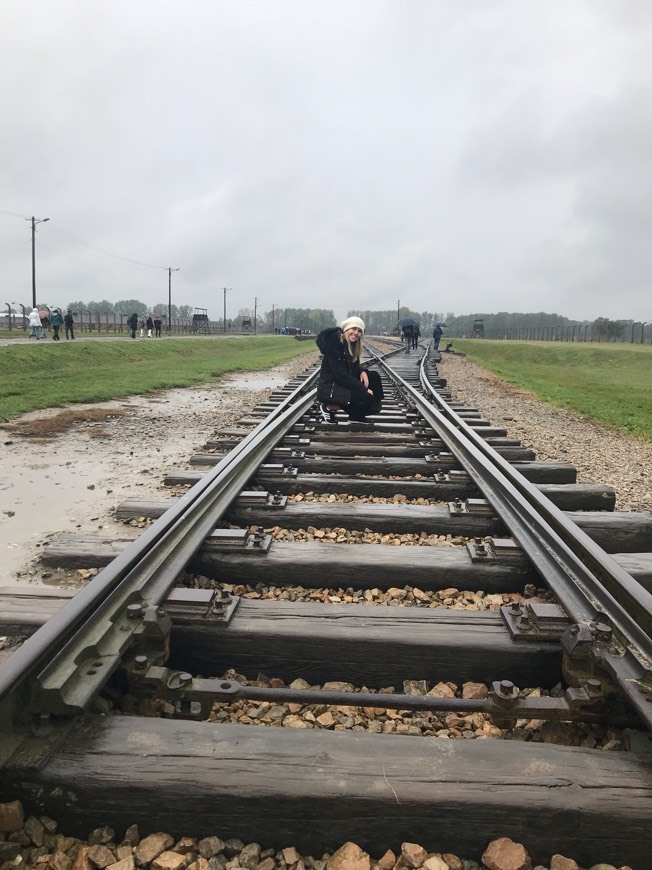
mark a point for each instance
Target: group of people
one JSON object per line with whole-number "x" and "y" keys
{"x": 41, "y": 321}
{"x": 149, "y": 323}
{"x": 410, "y": 334}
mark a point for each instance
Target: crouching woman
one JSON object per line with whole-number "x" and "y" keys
{"x": 344, "y": 383}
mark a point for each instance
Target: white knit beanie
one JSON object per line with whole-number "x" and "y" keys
{"x": 351, "y": 323}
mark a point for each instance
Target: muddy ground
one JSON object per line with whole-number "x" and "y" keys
{"x": 69, "y": 477}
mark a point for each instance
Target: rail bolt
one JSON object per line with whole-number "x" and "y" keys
{"x": 524, "y": 623}
{"x": 603, "y": 632}
{"x": 594, "y": 687}
{"x": 134, "y": 611}
{"x": 505, "y": 692}
{"x": 178, "y": 680}
{"x": 140, "y": 663}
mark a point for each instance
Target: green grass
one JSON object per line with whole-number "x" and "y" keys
{"x": 608, "y": 383}
{"x": 49, "y": 374}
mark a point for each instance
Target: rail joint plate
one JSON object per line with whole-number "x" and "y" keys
{"x": 537, "y": 621}
{"x": 249, "y": 541}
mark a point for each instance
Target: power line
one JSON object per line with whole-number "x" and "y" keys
{"x": 13, "y": 214}
{"x": 109, "y": 253}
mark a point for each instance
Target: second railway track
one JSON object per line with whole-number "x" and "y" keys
{"x": 317, "y": 580}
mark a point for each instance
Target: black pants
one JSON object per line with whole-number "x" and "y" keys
{"x": 158, "y": 331}
{"x": 70, "y": 330}
{"x": 363, "y": 403}
{"x": 55, "y": 330}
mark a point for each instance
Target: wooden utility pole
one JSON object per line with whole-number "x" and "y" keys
{"x": 34, "y": 222}
{"x": 170, "y": 271}
{"x": 225, "y": 289}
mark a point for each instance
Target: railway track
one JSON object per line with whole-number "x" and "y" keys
{"x": 270, "y": 594}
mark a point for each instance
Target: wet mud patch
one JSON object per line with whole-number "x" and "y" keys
{"x": 62, "y": 422}
{"x": 66, "y": 469}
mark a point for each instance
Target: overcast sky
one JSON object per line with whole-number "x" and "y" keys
{"x": 458, "y": 155}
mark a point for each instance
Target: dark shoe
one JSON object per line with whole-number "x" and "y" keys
{"x": 328, "y": 414}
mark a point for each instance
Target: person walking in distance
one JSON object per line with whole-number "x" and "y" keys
{"x": 408, "y": 331}
{"x": 344, "y": 383}
{"x": 150, "y": 325}
{"x": 45, "y": 322}
{"x": 157, "y": 325}
{"x": 57, "y": 322}
{"x": 69, "y": 323}
{"x": 132, "y": 323}
{"x": 416, "y": 335}
{"x": 436, "y": 335}
{"x": 34, "y": 324}
{"x": 141, "y": 326}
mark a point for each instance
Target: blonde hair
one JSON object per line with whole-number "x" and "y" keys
{"x": 354, "y": 349}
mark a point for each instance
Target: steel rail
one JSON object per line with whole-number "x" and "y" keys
{"x": 590, "y": 585}
{"x": 146, "y": 570}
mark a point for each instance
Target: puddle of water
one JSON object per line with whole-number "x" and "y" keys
{"x": 73, "y": 482}
{"x": 28, "y": 504}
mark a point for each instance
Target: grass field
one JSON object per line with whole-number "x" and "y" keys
{"x": 51, "y": 374}
{"x": 609, "y": 383}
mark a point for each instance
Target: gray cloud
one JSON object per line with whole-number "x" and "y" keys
{"x": 465, "y": 157}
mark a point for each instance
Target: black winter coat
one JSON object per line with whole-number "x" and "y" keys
{"x": 337, "y": 367}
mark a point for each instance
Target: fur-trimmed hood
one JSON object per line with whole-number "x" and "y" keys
{"x": 329, "y": 338}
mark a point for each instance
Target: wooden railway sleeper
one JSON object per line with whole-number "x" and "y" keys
{"x": 193, "y": 697}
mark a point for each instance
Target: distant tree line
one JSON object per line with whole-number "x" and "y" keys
{"x": 384, "y": 321}
{"x": 306, "y": 319}
{"x": 130, "y": 306}
{"x": 378, "y": 322}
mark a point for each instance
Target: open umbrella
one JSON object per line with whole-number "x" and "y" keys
{"x": 442, "y": 325}
{"x": 406, "y": 321}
